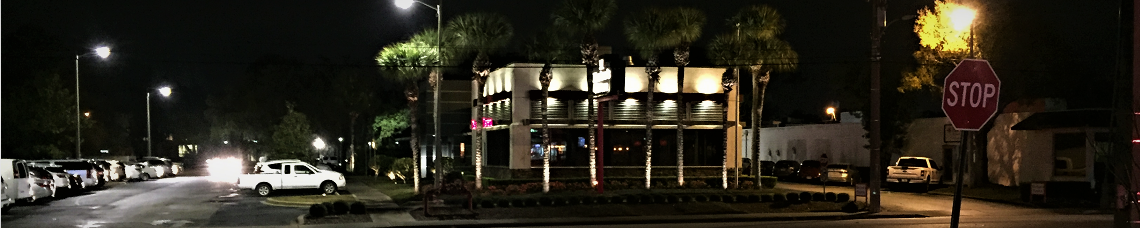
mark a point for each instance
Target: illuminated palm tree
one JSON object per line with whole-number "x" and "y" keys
{"x": 686, "y": 25}
{"x": 408, "y": 63}
{"x": 483, "y": 34}
{"x": 547, "y": 47}
{"x": 587, "y": 18}
{"x": 649, "y": 32}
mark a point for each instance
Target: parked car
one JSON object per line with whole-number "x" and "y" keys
{"x": 914, "y": 170}
{"x": 17, "y": 179}
{"x": 142, "y": 171}
{"x": 7, "y": 202}
{"x": 269, "y": 176}
{"x": 786, "y": 169}
{"x": 842, "y": 173}
{"x": 42, "y": 184}
{"x": 767, "y": 168}
{"x": 84, "y": 170}
{"x": 117, "y": 170}
{"x": 156, "y": 168}
{"x": 810, "y": 170}
{"x": 62, "y": 179}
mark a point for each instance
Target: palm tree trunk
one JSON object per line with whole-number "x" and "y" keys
{"x": 681, "y": 125}
{"x": 761, "y": 86}
{"x": 544, "y": 79}
{"x": 481, "y": 70}
{"x": 412, "y": 93}
{"x": 435, "y": 80}
{"x": 724, "y": 120}
{"x": 590, "y": 59}
{"x": 653, "y": 75}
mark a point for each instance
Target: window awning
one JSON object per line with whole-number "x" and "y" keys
{"x": 1097, "y": 118}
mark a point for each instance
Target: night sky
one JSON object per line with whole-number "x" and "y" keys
{"x": 198, "y": 46}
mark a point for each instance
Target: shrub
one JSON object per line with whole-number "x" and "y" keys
{"x": 766, "y": 198}
{"x": 753, "y": 198}
{"x": 545, "y": 201}
{"x": 842, "y": 197}
{"x": 672, "y": 199}
{"x": 660, "y": 199}
{"x": 574, "y": 200}
{"x": 646, "y": 199}
{"x": 559, "y": 201}
{"x": 684, "y": 198}
{"x": 768, "y": 182}
{"x": 503, "y": 203}
{"x": 850, "y": 207}
{"x": 402, "y": 169}
{"x": 780, "y": 197}
{"x": 381, "y": 164}
{"x": 340, "y": 207}
{"x": 728, "y": 198}
{"x": 601, "y": 200}
{"x": 587, "y": 200}
{"x": 328, "y": 207}
{"x": 700, "y": 198}
{"x": 317, "y": 210}
{"x": 632, "y": 199}
{"x": 818, "y": 196}
{"x": 517, "y": 203}
{"x": 487, "y": 203}
{"x": 793, "y": 197}
{"x": 697, "y": 184}
{"x": 830, "y": 197}
{"x": 805, "y": 196}
{"x": 557, "y": 186}
{"x": 530, "y": 202}
{"x": 356, "y": 208}
{"x": 617, "y": 199}
{"x": 748, "y": 184}
{"x": 714, "y": 198}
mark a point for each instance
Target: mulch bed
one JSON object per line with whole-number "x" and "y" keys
{"x": 613, "y": 210}
{"x": 338, "y": 219}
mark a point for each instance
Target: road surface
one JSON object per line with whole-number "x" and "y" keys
{"x": 169, "y": 202}
{"x": 1022, "y": 221}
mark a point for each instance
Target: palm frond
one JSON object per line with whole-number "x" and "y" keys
{"x": 407, "y": 61}
{"x": 481, "y": 32}
{"x": 584, "y": 16}
{"x": 649, "y": 31}
{"x": 758, "y": 22}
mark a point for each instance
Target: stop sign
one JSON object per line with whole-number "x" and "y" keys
{"x": 970, "y": 94}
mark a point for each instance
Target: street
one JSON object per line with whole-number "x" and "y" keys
{"x": 171, "y": 202}
{"x": 1023, "y": 221}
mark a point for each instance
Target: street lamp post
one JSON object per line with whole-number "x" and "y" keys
{"x": 436, "y": 79}
{"x": 165, "y": 92}
{"x": 102, "y": 52}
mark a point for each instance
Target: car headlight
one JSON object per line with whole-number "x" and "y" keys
{"x": 341, "y": 177}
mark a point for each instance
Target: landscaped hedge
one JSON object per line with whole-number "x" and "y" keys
{"x": 766, "y": 198}
{"x": 805, "y": 196}
{"x": 818, "y": 196}
{"x": 781, "y": 197}
{"x": 356, "y": 208}
{"x": 792, "y": 197}
{"x": 768, "y": 181}
{"x": 317, "y": 211}
{"x": 842, "y": 197}
{"x": 830, "y": 197}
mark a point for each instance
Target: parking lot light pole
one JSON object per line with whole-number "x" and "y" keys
{"x": 102, "y": 52}
{"x": 436, "y": 80}
{"x": 165, "y": 92}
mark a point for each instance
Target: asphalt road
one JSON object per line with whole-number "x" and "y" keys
{"x": 931, "y": 204}
{"x": 1022, "y": 221}
{"x": 170, "y": 202}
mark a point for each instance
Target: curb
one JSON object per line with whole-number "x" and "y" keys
{"x": 277, "y": 204}
{"x": 646, "y": 220}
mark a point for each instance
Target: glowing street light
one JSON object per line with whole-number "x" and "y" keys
{"x": 102, "y": 52}
{"x": 165, "y": 91}
{"x": 87, "y": 114}
{"x": 831, "y": 113}
{"x": 962, "y": 17}
{"x": 318, "y": 143}
{"x": 404, "y": 4}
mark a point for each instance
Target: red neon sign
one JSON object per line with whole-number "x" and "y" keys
{"x": 487, "y": 122}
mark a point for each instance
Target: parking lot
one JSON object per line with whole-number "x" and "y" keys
{"x": 183, "y": 201}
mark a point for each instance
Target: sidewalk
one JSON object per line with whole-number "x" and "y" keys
{"x": 372, "y": 198}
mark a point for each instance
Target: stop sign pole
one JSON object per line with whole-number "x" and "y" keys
{"x": 970, "y": 99}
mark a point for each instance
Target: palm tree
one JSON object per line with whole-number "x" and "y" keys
{"x": 482, "y": 33}
{"x": 649, "y": 32}
{"x": 757, "y": 46}
{"x": 547, "y": 47}
{"x": 686, "y": 26}
{"x": 724, "y": 51}
{"x": 587, "y": 18}
{"x": 433, "y": 38}
{"x": 408, "y": 63}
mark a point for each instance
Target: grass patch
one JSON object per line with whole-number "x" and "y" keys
{"x": 400, "y": 193}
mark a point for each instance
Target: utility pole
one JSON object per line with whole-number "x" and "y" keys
{"x": 879, "y": 9}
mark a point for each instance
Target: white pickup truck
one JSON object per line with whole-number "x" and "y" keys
{"x": 290, "y": 174}
{"x": 914, "y": 170}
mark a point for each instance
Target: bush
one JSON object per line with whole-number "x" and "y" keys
{"x": 672, "y": 199}
{"x": 753, "y": 198}
{"x": 559, "y": 201}
{"x": 779, "y": 197}
{"x": 748, "y": 184}
{"x": 487, "y": 203}
{"x": 381, "y": 164}
{"x": 328, "y": 207}
{"x": 402, "y": 169}
{"x": 531, "y": 202}
{"x": 317, "y": 210}
{"x": 340, "y": 207}
{"x": 503, "y": 203}
{"x": 574, "y": 200}
{"x": 517, "y": 203}
{"x": 601, "y": 200}
{"x": 645, "y": 199}
{"x": 768, "y": 182}
{"x": 830, "y": 197}
{"x": 805, "y": 196}
{"x": 697, "y": 184}
{"x": 728, "y": 198}
{"x": 842, "y": 197}
{"x": 660, "y": 199}
{"x": 714, "y": 198}
{"x": 818, "y": 196}
{"x": 792, "y": 197}
{"x": 684, "y": 198}
{"x": 850, "y": 207}
{"x": 766, "y": 198}
{"x": 617, "y": 199}
{"x": 545, "y": 201}
{"x": 356, "y": 208}
{"x": 700, "y": 198}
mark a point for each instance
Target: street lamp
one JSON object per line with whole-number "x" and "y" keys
{"x": 318, "y": 143}
{"x": 830, "y": 113}
{"x": 165, "y": 92}
{"x": 405, "y": 4}
{"x": 102, "y": 52}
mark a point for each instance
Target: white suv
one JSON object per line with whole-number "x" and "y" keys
{"x": 290, "y": 174}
